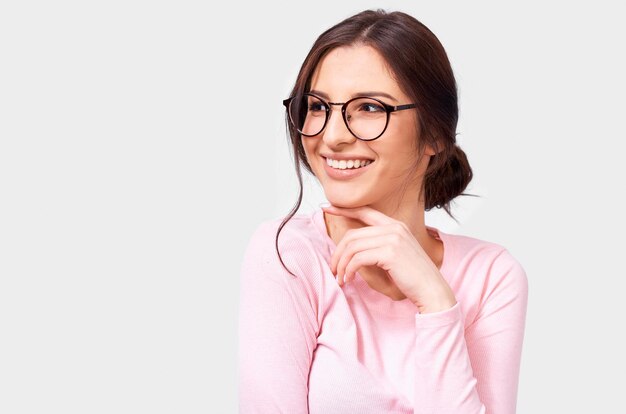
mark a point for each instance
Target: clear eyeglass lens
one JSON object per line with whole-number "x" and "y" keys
{"x": 308, "y": 114}
{"x": 366, "y": 118}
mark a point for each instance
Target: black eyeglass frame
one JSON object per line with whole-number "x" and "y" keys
{"x": 388, "y": 109}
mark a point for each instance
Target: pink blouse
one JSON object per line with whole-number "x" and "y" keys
{"x": 308, "y": 345}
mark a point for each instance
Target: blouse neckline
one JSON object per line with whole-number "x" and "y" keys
{"x": 375, "y": 300}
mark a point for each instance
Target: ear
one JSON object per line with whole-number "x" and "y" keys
{"x": 429, "y": 150}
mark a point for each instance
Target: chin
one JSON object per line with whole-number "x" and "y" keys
{"x": 346, "y": 202}
{"x": 339, "y": 194}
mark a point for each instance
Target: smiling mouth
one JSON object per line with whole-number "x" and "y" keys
{"x": 347, "y": 164}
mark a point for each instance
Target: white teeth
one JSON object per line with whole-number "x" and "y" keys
{"x": 345, "y": 164}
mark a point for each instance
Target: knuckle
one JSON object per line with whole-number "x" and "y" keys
{"x": 395, "y": 238}
{"x": 349, "y": 244}
{"x": 400, "y": 226}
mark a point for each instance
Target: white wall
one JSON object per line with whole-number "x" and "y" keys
{"x": 142, "y": 142}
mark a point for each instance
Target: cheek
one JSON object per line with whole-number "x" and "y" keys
{"x": 405, "y": 124}
{"x": 399, "y": 144}
{"x": 307, "y": 148}
{"x": 309, "y": 151}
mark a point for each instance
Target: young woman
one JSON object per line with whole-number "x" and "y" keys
{"x": 360, "y": 307}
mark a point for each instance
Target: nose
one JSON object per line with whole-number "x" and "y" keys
{"x": 336, "y": 130}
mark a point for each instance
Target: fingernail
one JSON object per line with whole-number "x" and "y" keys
{"x": 324, "y": 205}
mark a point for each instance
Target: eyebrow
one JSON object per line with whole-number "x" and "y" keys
{"x": 367, "y": 93}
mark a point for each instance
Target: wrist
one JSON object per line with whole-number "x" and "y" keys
{"x": 437, "y": 303}
{"x": 439, "y": 307}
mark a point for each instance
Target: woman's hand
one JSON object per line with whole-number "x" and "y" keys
{"x": 388, "y": 244}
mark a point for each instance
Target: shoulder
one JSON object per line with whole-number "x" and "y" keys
{"x": 486, "y": 271}
{"x": 493, "y": 258}
{"x": 295, "y": 239}
{"x": 289, "y": 282}
{"x": 295, "y": 234}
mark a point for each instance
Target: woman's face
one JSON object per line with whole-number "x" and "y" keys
{"x": 343, "y": 73}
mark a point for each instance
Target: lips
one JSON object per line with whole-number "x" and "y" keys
{"x": 346, "y": 174}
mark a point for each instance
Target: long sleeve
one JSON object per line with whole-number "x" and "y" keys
{"x": 474, "y": 369}
{"x": 278, "y": 323}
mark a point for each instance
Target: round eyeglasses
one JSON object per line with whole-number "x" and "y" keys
{"x": 366, "y": 118}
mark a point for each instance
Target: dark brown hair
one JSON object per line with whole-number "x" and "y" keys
{"x": 422, "y": 69}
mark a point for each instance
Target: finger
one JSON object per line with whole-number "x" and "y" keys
{"x": 369, "y": 257}
{"x": 354, "y": 234}
{"x": 366, "y": 214}
{"x": 358, "y": 245}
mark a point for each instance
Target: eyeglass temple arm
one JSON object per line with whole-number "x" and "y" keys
{"x": 401, "y": 107}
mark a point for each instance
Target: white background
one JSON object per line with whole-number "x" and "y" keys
{"x": 142, "y": 142}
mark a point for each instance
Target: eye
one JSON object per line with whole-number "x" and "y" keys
{"x": 371, "y": 107}
{"x": 316, "y": 106}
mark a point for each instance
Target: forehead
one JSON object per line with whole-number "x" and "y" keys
{"x": 347, "y": 70}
